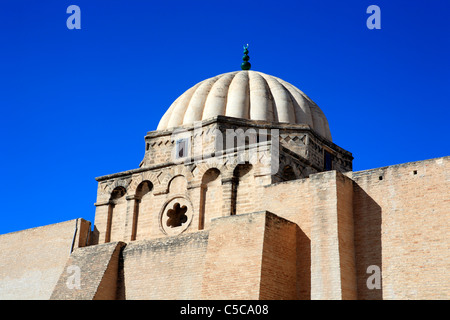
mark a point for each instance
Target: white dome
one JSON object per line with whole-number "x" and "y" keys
{"x": 249, "y": 95}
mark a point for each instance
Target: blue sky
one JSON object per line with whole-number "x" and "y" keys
{"x": 76, "y": 104}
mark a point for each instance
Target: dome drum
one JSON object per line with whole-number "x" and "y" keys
{"x": 211, "y": 138}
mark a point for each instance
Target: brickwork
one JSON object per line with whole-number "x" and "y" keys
{"x": 245, "y": 189}
{"x": 401, "y": 225}
{"x": 345, "y": 225}
{"x": 160, "y": 145}
{"x": 233, "y": 258}
{"x": 210, "y": 198}
{"x": 97, "y": 268}
{"x": 291, "y": 200}
{"x": 210, "y": 137}
{"x": 262, "y": 254}
{"x": 116, "y": 216}
{"x": 207, "y": 146}
{"x": 166, "y": 268}
{"x": 142, "y": 209}
{"x": 307, "y": 200}
{"x": 280, "y": 277}
{"x": 31, "y": 260}
{"x": 325, "y": 271}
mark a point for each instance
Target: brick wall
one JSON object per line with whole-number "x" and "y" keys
{"x": 325, "y": 231}
{"x": 280, "y": 278}
{"x": 165, "y": 268}
{"x": 32, "y": 260}
{"x": 245, "y": 189}
{"x": 97, "y": 268}
{"x": 117, "y": 216}
{"x": 291, "y": 200}
{"x": 345, "y": 225}
{"x": 210, "y": 198}
{"x": 401, "y": 225}
{"x": 325, "y": 272}
{"x": 321, "y": 206}
{"x": 233, "y": 257}
{"x": 145, "y": 219}
{"x": 252, "y": 256}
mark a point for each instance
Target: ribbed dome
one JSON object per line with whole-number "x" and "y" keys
{"x": 249, "y": 95}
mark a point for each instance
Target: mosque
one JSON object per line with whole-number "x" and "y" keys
{"x": 242, "y": 194}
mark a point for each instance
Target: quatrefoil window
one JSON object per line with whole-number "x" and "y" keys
{"x": 177, "y": 216}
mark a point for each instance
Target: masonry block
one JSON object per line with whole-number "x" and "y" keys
{"x": 165, "y": 268}
{"x": 91, "y": 273}
{"x": 333, "y": 275}
{"x": 245, "y": 252}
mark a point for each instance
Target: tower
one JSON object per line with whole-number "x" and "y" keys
{"x": 242, "y": 128}
{"x": 209, "y": 185}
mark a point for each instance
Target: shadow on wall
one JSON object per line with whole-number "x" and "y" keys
{"x": 368, "y": 254}
{"x": 94, "y": 236}
{"x": 303, "y": 265}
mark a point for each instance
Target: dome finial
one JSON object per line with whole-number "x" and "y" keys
{"x": 246, "y": 65}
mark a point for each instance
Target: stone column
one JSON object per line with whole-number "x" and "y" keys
{"x": 131, "y": 219}
{"x": 229, "y": 196}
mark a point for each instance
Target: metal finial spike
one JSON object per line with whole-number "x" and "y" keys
{"x": 245, "y": 65}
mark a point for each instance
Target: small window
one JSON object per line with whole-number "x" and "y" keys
{"x": 328, "y": 161}
{"x": 181, "y": 148}
{"x": 177, "y": 216}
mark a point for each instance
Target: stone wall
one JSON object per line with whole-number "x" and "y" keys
{"x": 133, "y": 216}
{"x": 222, "y": 133}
